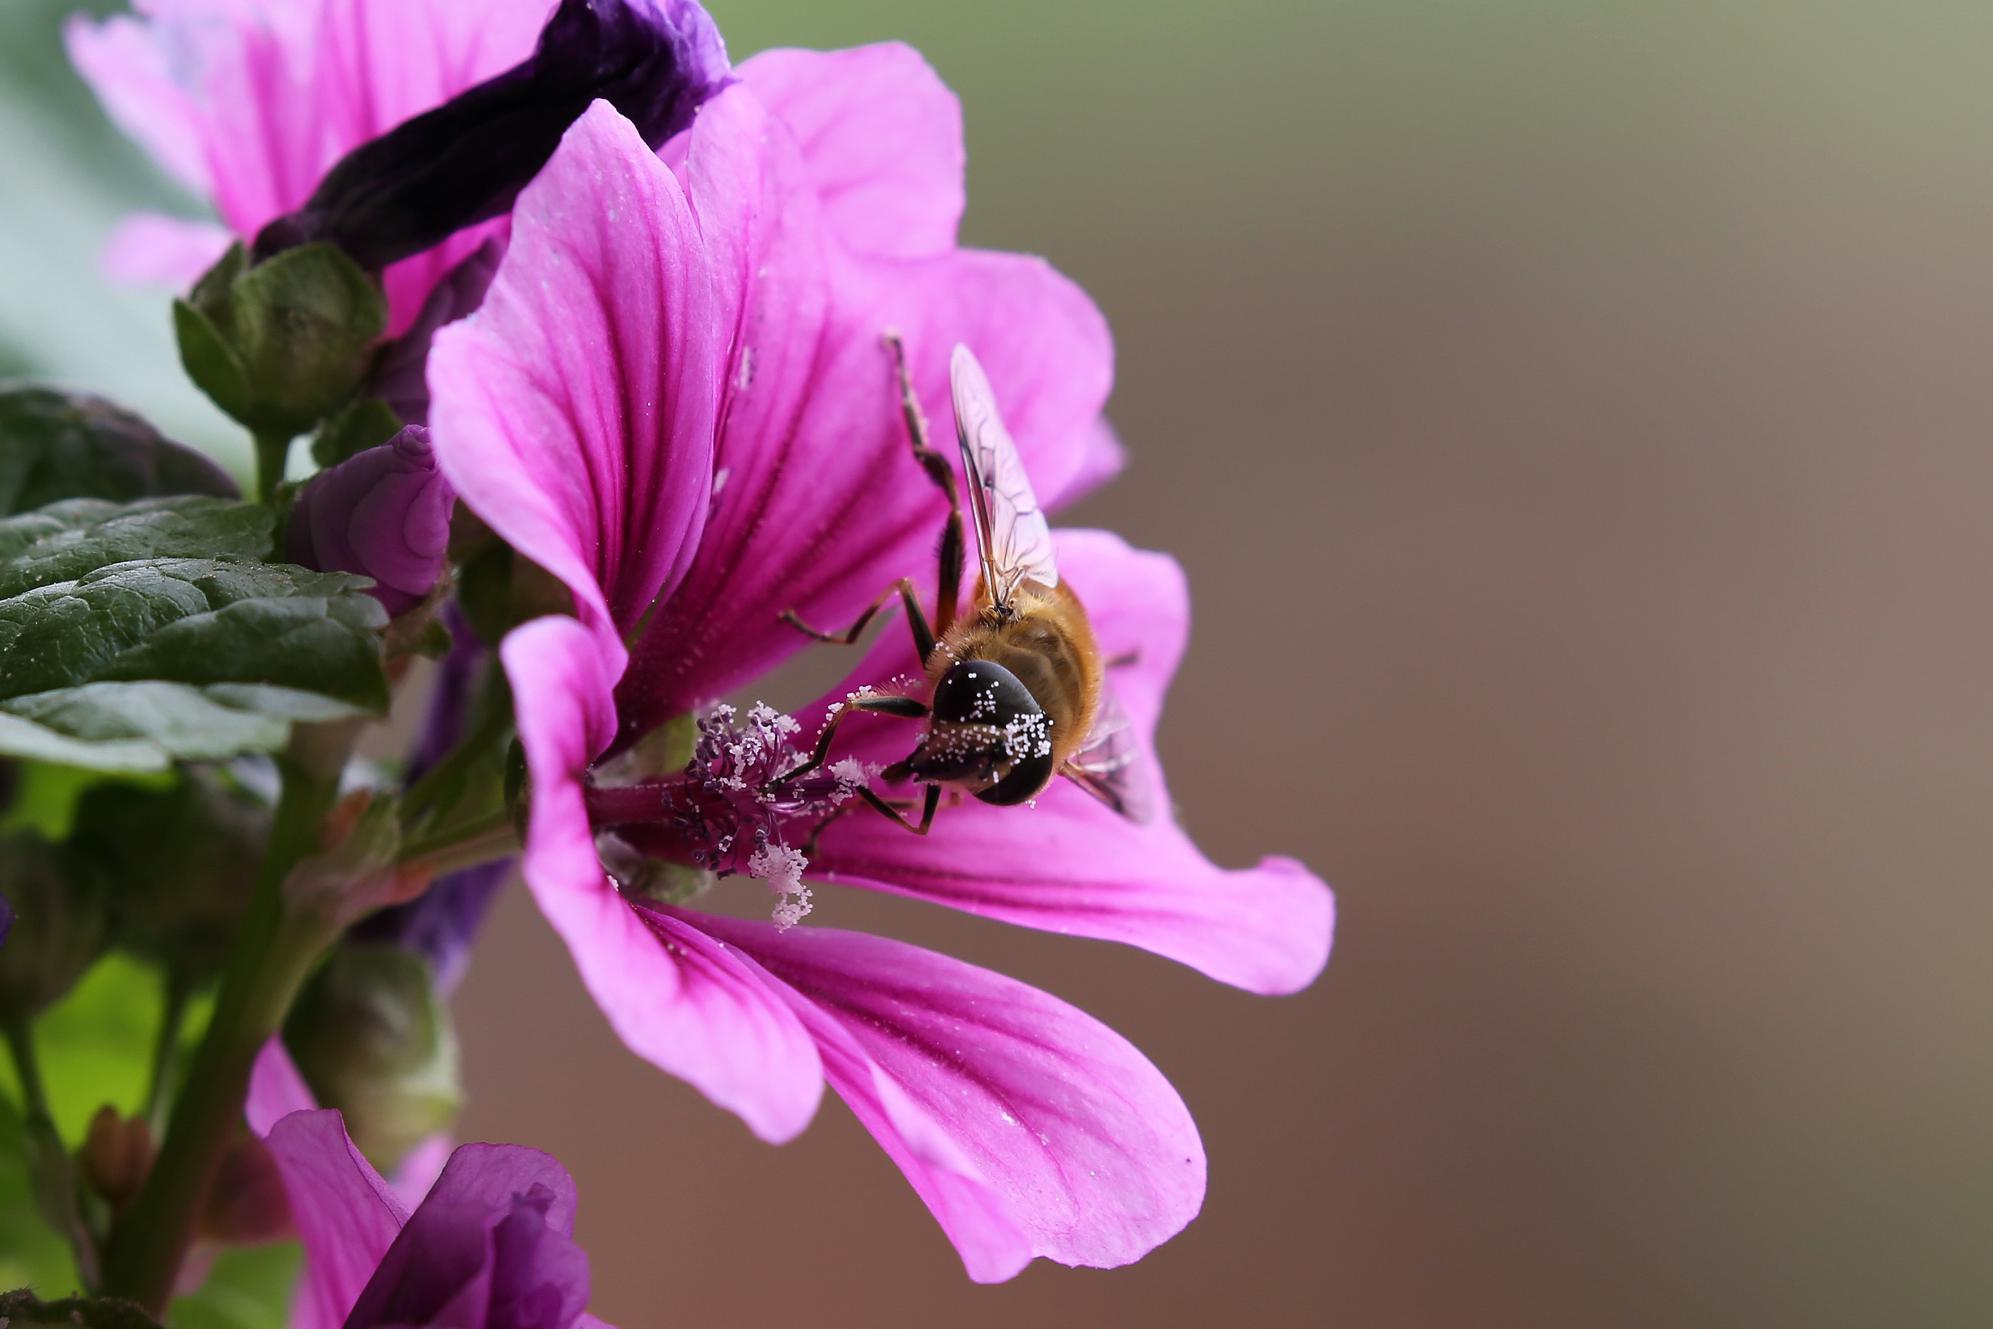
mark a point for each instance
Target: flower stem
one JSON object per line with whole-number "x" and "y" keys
{"x": 51, "y": 1175}
{"x": 275, "y": 951}
{"x": 273, "y": 454}
{"x": 166, "y": 1047}
{"x": 466, "y": 846}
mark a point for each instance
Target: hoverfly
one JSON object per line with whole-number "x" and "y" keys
{"x": 1016, "y": 690}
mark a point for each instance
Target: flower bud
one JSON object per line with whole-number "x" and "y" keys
{"x": 116, "y": 1155}
{"x": 383, "y": 513}
{"x": 466, "y": 160}
{"x": 60, "y": 903}
{"x": 183, "y": 860}
{"x": 374, "y": 1040}
{"x": 280, "y": 345}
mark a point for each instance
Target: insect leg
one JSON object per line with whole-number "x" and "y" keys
{"x": 931, "y": 801}
{"x": 909, "y": 708}
{"x": 923, "y": 635}
{"x": 940, "y": 470}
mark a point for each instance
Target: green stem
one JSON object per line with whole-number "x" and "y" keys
{"x": 275, "y": 951}
{"x": 273, "y": 454}
{"x": 27, "y": 1067}
{"x": 465, "y": 846}
{"x": 51, "y": 1174}
{"x": 166, "y": 1048}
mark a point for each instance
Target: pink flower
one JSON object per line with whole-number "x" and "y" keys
{"x": 675, "y": 399}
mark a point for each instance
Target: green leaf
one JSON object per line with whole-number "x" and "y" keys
{"x": 132, "y": 665}
{"x": 56, "y": 445}
{"x": 67, "y": 539}
{"x": 211, "y": 362}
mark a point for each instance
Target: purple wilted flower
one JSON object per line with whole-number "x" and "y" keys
{"x": 490, "y": 1246}
{"x": 383, "y": 513}
{"x": 251, "y": 105}
{"x": 675, "y": 399}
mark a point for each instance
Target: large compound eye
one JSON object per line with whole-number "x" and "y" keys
{"x": 977, "y": 692}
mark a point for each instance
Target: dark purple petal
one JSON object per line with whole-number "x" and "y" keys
{"x": 383, "y": 513}
{"x": 539, "y": 1277}
{"x": 466, "y": 160}
{"x": 490, "y": 1247}
{"x": 400, "y": 374}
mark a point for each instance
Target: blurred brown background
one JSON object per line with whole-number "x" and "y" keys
{"x": 1573, "y": 418}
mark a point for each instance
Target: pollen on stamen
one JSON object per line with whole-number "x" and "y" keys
{"x": 738, "y": 811}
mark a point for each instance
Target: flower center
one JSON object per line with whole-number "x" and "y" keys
{"x": 726, "y": 813}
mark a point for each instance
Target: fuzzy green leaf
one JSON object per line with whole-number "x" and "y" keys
{"x": 132, "y": 665}
{"x": 67, "y": 539}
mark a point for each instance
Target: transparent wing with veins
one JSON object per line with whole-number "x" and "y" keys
{"x": 1109, "y": 763}
{"x": 1011, "y": 529}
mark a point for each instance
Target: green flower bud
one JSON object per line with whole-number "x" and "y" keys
{"x": 183, "y": 862}
{"x": 61, "y": 902}
{"x": 283, "y": 344}
{"x": 374, "y": 1040}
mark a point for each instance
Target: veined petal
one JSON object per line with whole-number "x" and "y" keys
{"x": 346, "y": 1216}
{"x": 822, "y": 505}
{"x": 1068, "y": 864}
{"x": 1028, "y": 1127}
{"x": 575, "y": 411}
{"x": 680, "y": 1000}
{"x": 128, "y": 71}
{"x": 881, "y": 140}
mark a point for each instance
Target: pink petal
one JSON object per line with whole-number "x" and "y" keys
{"x": 881, "y": 139}
{"x": 678, "y": 999}
{"x": 575, "y": 411}
{"x": 1068, "y": 864}
{"x": 128, "y": 71}
{"x": 276, "y": 1089}
{"x": 1104, "y": 458}
{"x": 345, "y": 1214}
{"x": 152, "y": 249}
{"x": 383, "y": 61}
{"x": 822, "y": 505}
{"x": 487, "y": 1176}
{"x": 1028, "y": 1127}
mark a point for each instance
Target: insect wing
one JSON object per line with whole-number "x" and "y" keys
{"x": 1016, "y": 539}
{"x": 1109, "y": 763}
